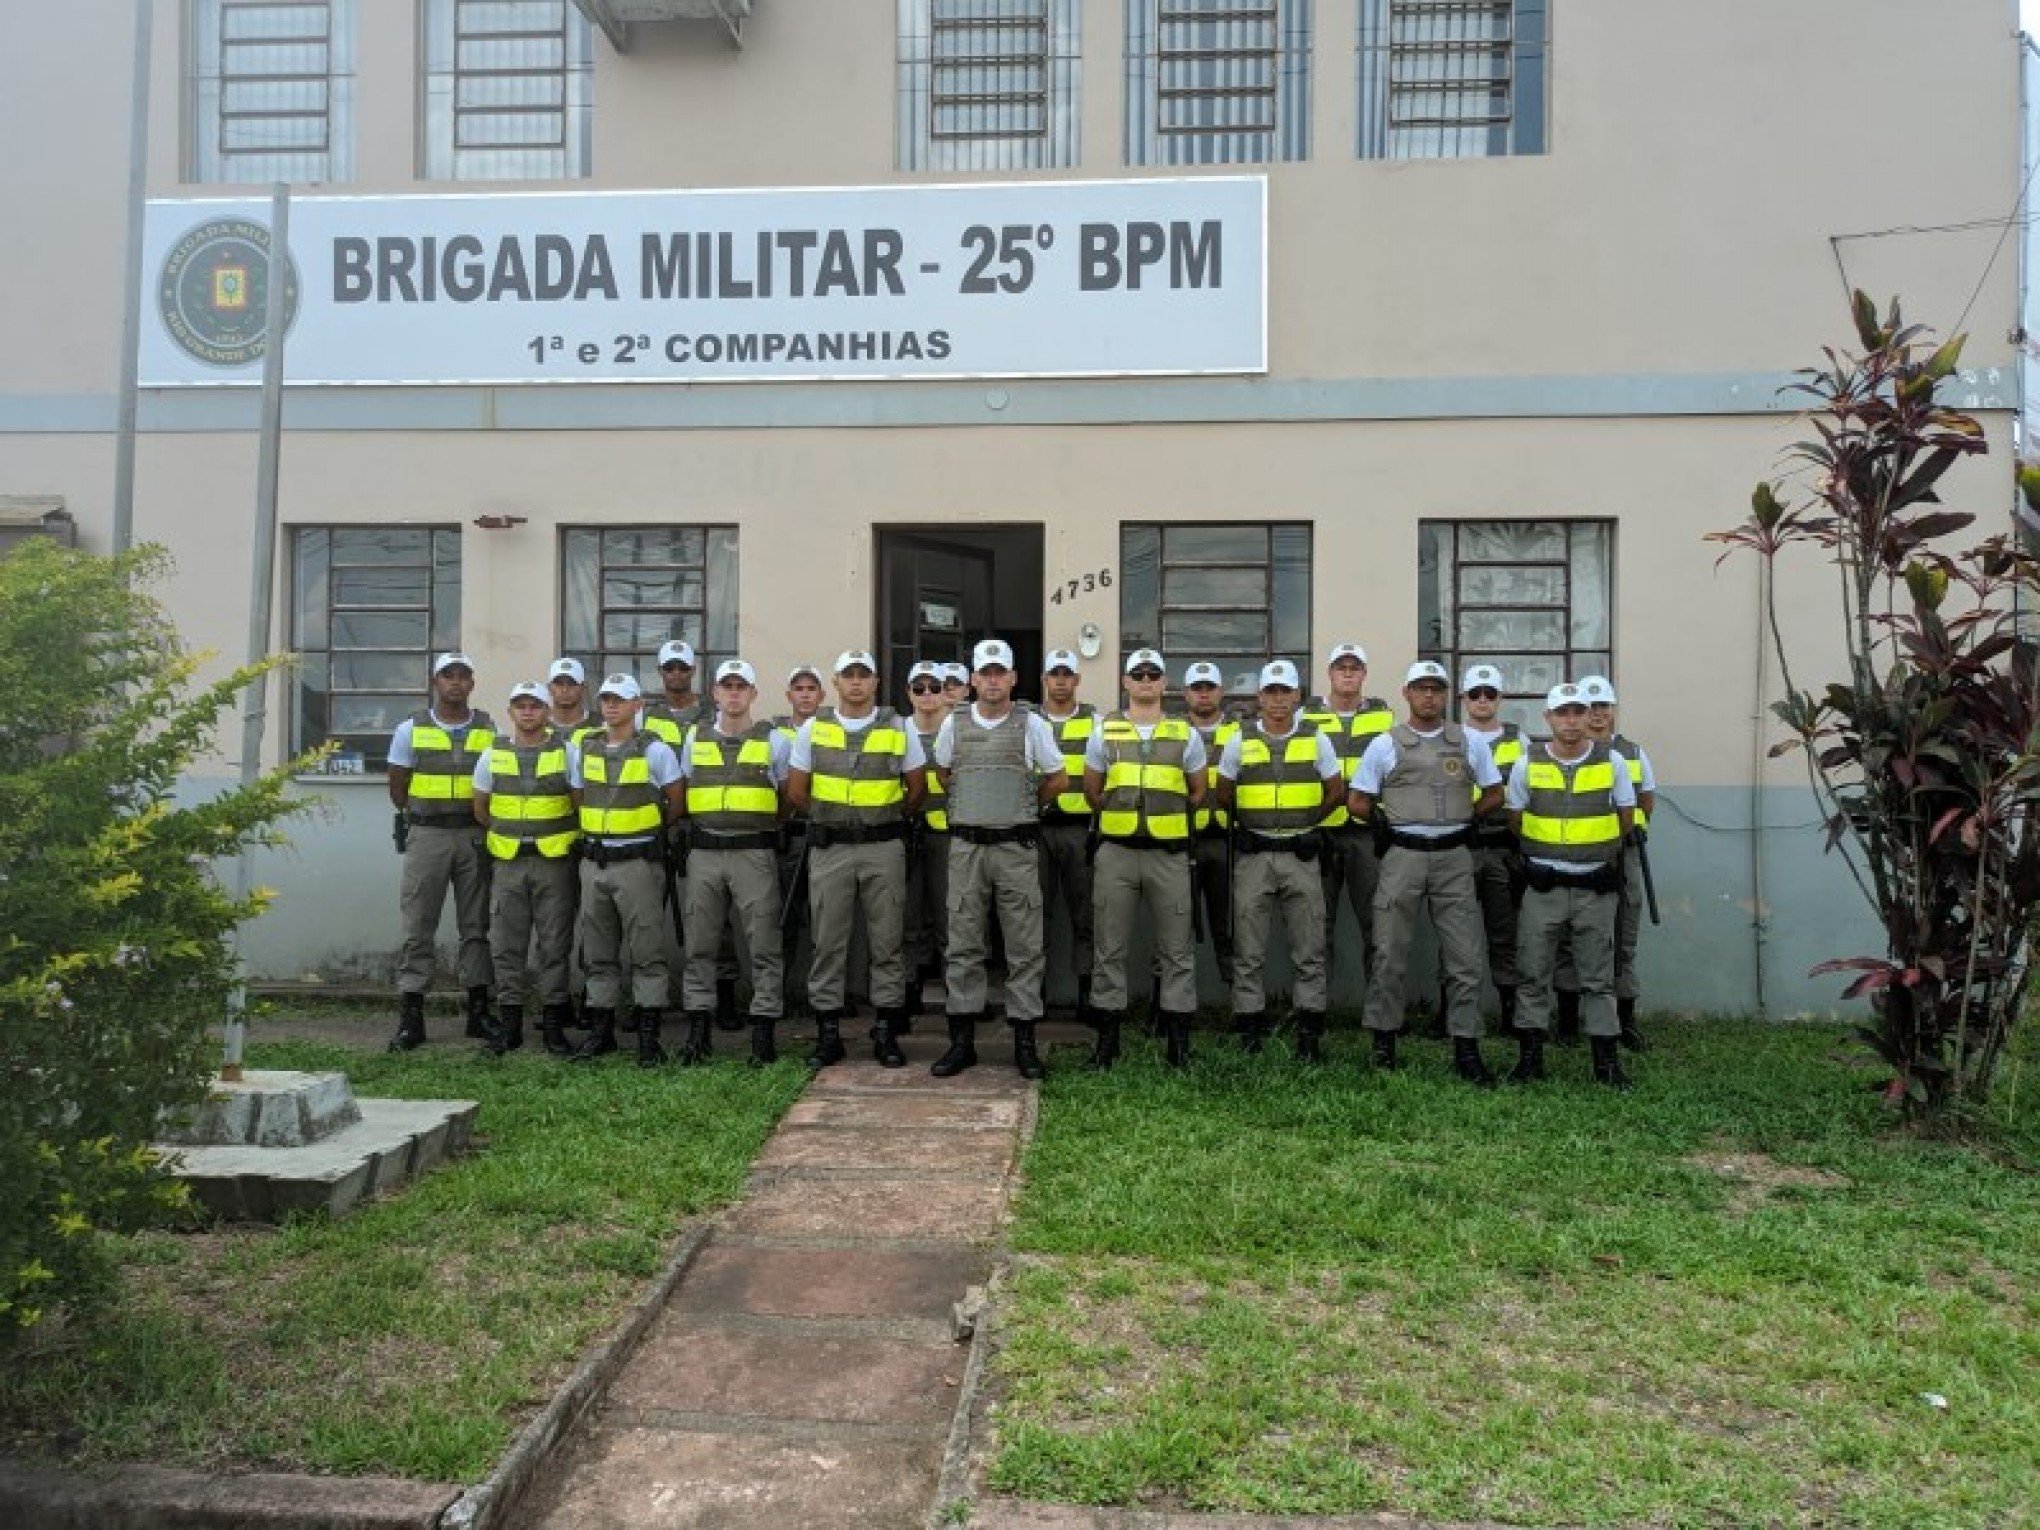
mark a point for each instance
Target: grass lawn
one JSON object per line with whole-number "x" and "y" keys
{"x": 1719, "y": 1301}
{"x": 415, "y": 1336}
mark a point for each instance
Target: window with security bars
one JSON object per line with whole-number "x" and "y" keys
{"x": 370, "y": 606}
{"x": 630, "y": 588}
{"x": 1231, "y": 594}
{"x": 988, "y": 84}
{"x": 507, "y": 90}
{"x": 1533, "y": 598}
{"x": 1452, "y": 79}
{"x": 271, "y": 93}
{"x": 1217, "y": 82}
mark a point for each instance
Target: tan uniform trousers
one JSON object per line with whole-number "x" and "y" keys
{"x": 1584, "y": 923}
{"x": 1066, "y": 874}
{"x": 1351, "y": 869}
{"x": 841, "y": 880}
{"x": 740, "y": 889}
{"x": 624, "y": 930}
{"x": 434, "y": 859}
{"x": 1007, "y": 876}
{"x": 927, "y": 940}
{"x": 1121, "y": 880}
{"x": 1496, "y": 877}
{"x": 1441, "y": 880}
{"x": 1268, "y": 884}
{"x": 531, "y": 927}
{"x": 1629, "y": 906}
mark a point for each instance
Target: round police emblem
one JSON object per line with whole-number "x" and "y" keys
{"x": 1453, "y": 765}
{"x": 214, "y": 291}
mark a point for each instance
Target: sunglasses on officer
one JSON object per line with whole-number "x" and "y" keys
{"x": 925, "y": 688}
{"x": 1484, "y": 693}
{"x": 1145, "y": 672}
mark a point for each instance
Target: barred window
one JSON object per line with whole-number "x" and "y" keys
{"x": 1233, "y": 594}
{"x": 370, "y": 606}
{"x": 1452, "y": 79}
{"x": 507, "y": 90}
{"x": 1217, "y": 82}
{"x": 271, "y": 93}
{"x": 630, "y": 588}
{"x": 988, "y": 84}
{"x": 1533, "y": 598}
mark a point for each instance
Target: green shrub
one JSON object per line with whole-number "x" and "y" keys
{"x": 115, "y": 949}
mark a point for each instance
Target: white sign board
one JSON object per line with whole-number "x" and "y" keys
{"x": 1037, "y": 279}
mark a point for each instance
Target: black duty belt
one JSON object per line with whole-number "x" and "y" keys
{"x": 824, "y": 835}
{"x": 445, "y": 819}
{"x": 1606, "y": 878}
{"x": 1007, "y": 834}
{"x": 708, "y": 839}
{"x": 795, "y": 827}
{"x": 606, "y": 856}
{"x": 1212, "y": 831}
{"x": 1064, "y": 816}
{"x": 1144, "y": 842}
{"x": 1493, "y": 837}
{"x": 1305, "y": 847}
{"x": 1431, "y": 843}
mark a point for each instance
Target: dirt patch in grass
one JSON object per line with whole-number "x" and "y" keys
{"x": 1756, "y": 1177}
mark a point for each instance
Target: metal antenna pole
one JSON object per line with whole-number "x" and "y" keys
{"x": 131, "y": 292}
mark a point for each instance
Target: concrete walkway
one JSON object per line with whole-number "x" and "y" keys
{"x": 804, "y": 1371}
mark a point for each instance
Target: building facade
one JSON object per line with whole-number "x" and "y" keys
{"x": 1530, "y": 277}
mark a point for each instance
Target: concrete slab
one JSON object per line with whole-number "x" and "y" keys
{"x": 270, "y": 1108}
{"x": 907, "y": 1207}
{"x": 156, "y": 1498}
{"x": 887, "y": 1147}
{"x": 651, "y": 1479}
{"x": 392, "y": 1143}
{"x": 686, "y": 1368}
{"x": 915, "y": 1079}
{"x": 831, "y": 1282}
{"x": 973, "y": 1113}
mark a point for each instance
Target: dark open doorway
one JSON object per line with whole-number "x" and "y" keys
{"x": 941, "y": 589}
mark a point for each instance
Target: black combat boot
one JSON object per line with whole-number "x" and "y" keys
{"x": 1529, "y": 1067}
{"x": 1384, "y": 1051}
{"x": 1310, "y": 1035}
{"x": 1630, "y": 1037}
{"x": 601, "y": 1038}
{"x": 506, "y": 1033}
{"x": 1253, "y": 1031}
{"x": 649, "y": 1053}
{"x": 478, "y": 1023}
{"x": 1176, "y": 1039}
{"x": 1106, "y": 1052}
{"x": 410, "y": 1023}
{"x": 552, "y": 1028}
{"x": 885, "y": 1046}
{"x": 764, "y": 1047}
{"x": 700, "y": 1043}
{"x": 1025, "y": 1058}
{"x": 726, "y": 1016}
{"x": 962, "y": 1051}
{"x": 1567, "y": 1032}
{"x": 1469, "y": 1064}
{"x": 1508, "y": 1025}
{"x": 828, "y": 1047}
{"x": 1608, "y": 1064}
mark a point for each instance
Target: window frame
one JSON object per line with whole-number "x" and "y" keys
{"x": 1526, "y": 73}
{"x": 1272, "y": 609}
{"x": 713, "y": 640}
{"x": 923, "y": 144}
{"x": 441, "y": 154}
{"x": 209, "y": 83}
{"x": 1155, "y": 139}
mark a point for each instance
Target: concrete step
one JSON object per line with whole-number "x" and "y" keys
{"x": 394, "y": 1142}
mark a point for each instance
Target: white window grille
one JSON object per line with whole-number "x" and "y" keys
{"x": 271, "y": 91}
{"x": 988, "y": 84}
{"x": 507, "y": 90}
{"x": 1217, "y": 82}
{"x": 627, "y": 589}
{"x": 1235, "y": 594}
{"x": 1452, "y": 79}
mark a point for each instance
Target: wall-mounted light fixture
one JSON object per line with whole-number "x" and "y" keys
{"x": 499, "y": 522}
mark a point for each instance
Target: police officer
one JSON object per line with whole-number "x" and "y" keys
{"x": 804, "y": 695}
{"x": 1352, "y": 720}
{"x": 1277, "y": 776}
{"x": 1572, "y": 804}
{"x": 566, "y": 685}
{"x": 1428, "y": 781}
{"x": 857, "y": 771}
{"x": 1144, "y": 774}
{"x": 630, "y": 788}
{"x": 431, "y": 782}
{"x": 734, "y": 768}
{"x": 927, "y": 935}
{"x": 524, "y": 797}
{"x": 1066, "y": 821}
{"x": 1210, "y": 860}
{"x": 956, "y": 683}
{"x": 677, "y": 708}
{"x": 999, "y": 763}
{"x": 1497, "y": 869}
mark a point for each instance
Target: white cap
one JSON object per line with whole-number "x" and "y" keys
{"x": 992, "y": 653}
{"x": 567, "y": 669}
{"x": 926, "y": 669}
{"x": 1346, "y": 651}
{"x": 737, "y": 668}
{"x": 1142, "y": 656}
{"x": 447, "y": 660}
{"x": 1598, "y": 689}
{"x": 1061, "y": 658}
{"x": 802, "y": 669}
{"x": 1203, "y": 672}
{"x": 1478, "y": 675}
{"x": 1280, "y": 672}
{"x": 850, "y": 658}
{"x": 625, "y": 686}
{"x": 526, "y": 690}
{"x": 676, "y": 649}
{"x": 1567, "y": 695}
{"x": 957, "y": 672}
{"x": 1427, "y": 669}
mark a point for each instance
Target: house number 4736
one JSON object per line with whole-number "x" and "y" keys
{"x": 1082, "y": 584}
